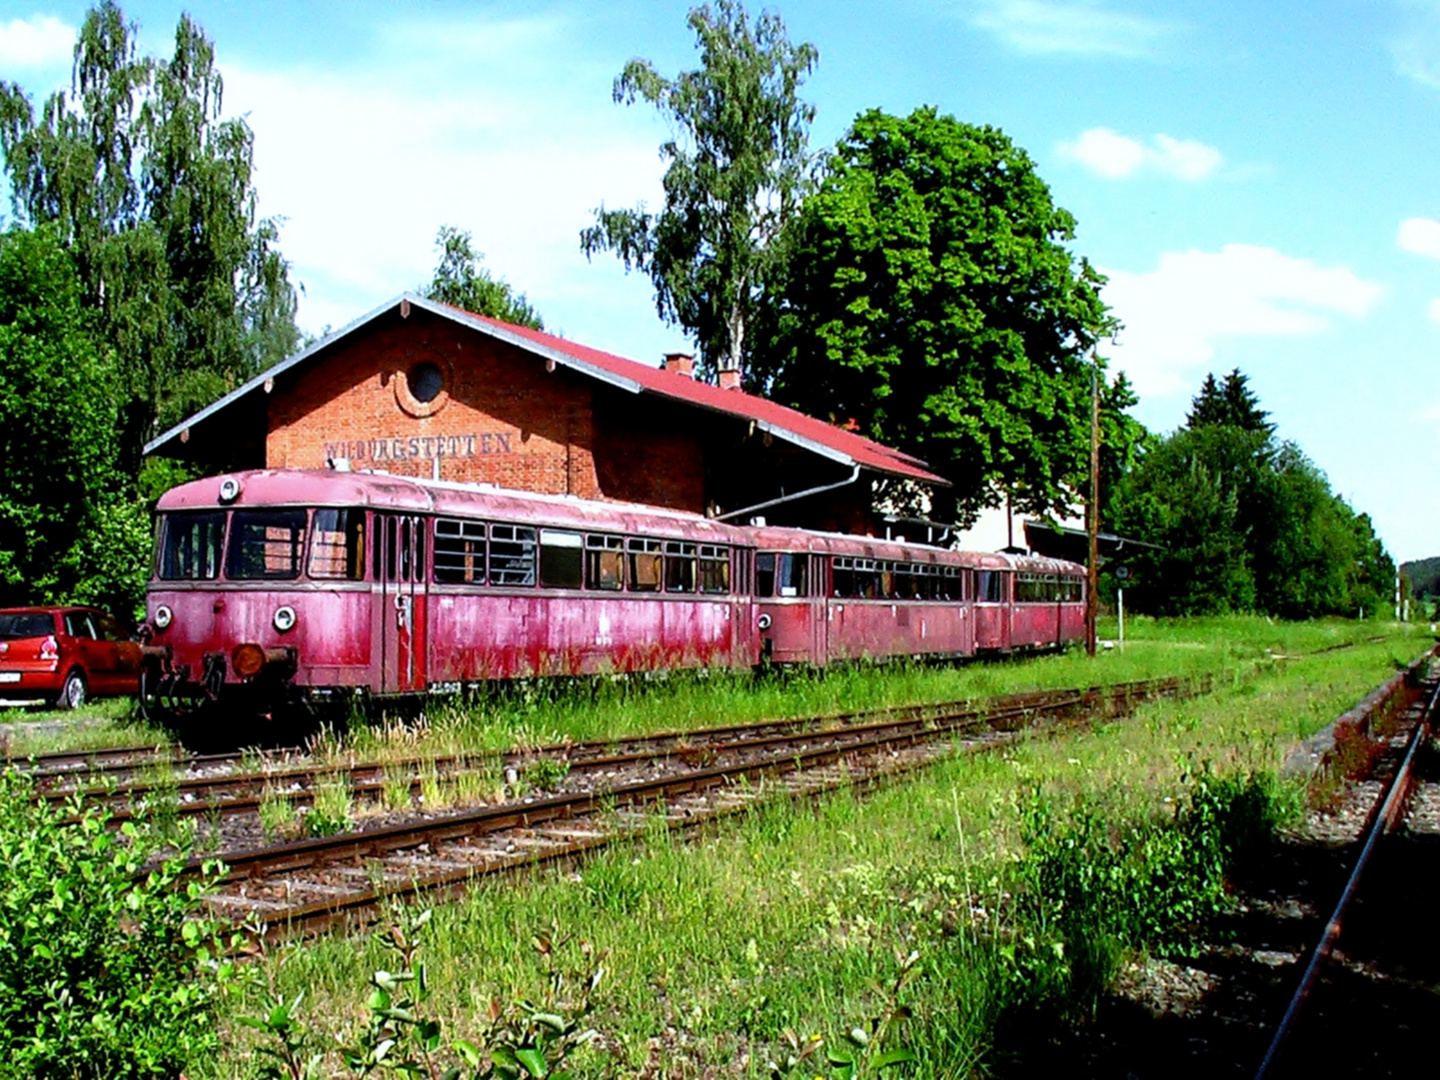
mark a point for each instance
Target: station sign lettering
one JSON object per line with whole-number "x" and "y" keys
{"x": 401, "y": 448}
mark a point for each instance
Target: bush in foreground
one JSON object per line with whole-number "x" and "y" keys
{"x": 105, "y": 970}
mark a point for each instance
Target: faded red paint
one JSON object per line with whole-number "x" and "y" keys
{"x": 412, "y": 634}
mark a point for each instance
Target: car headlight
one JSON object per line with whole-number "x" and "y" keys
{"x": 284, "y": 618}
{"x": 163, "y": 617}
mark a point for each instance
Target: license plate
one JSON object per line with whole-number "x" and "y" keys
{"x": 9, "y": 676}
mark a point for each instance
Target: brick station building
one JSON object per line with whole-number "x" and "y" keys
{"x": 419, "y": 388}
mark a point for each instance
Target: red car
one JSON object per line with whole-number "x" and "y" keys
{"x": 65, "y": 655}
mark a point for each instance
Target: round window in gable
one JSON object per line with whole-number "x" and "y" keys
{"x": 425, "y": 381}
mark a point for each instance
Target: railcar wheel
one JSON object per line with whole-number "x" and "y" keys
{"x": 72, "y": 691}
{"x": 151, "y": 696}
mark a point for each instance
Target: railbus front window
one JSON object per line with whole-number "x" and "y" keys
{"x": 265, "y": 545}
{"x": 337, "y": 544}
{"x": 190, "y": 546}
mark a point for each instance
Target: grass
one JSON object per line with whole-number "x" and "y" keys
{"x": 725, "y": 954}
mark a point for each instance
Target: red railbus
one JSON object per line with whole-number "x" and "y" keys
{"x": 272, "y": 588}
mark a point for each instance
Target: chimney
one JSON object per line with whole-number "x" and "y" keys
{"x": 730, "y": 379}
{"x": 680, "y": 363}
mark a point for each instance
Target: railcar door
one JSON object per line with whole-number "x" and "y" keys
{"x": 401, "y": 588}
{"x": 819, "y": 604}
{"x": 992, "y": 609}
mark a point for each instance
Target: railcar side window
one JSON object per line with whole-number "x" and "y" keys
{"x": 190, "y": 546}
{"x": 645, "y": 565}
{"x": 714, "y": 569}
{"x": 780, "y": 574}
{"x": 265, "y": 545}
{"x": 604, "y": 563}
{"x": 679, "y": 567}
{"x": 512, "y": 555}
{"x": 561, "y": 559}
{"x": 952, "y": 584}
{"x": 989, "y": 586}
{"x": 337, "y": 544}
{"x": 459, "y": 552}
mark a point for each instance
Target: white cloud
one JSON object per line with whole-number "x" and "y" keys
{"x": 504, "y": 128}
{"x": 1075, "y": 27}
{"x": 1420, "y": 236}
{"x": 1433, "y": 310}
{"x": 1176, "y": 315}
{"x": 35, "y": 42}
{"x": 1116, "y": 157}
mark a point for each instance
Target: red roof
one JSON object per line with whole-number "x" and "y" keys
{"x": 866, "y": 452}
{"x": 786, "y": 423}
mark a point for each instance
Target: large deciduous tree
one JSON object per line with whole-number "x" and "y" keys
{"x": 152, "y": 193}
{"x": 738, "y": 167}
{"x": 930, "y": 299}
{"x": 66, "y": 531}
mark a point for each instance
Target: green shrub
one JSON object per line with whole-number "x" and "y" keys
{"x": 1096, "y": 882}
{"x": 105, "y": 971}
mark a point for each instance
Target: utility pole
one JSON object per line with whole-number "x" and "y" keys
{"x": 1092, "y": 576}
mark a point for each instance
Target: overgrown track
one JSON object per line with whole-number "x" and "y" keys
{"x": 311, "y": 885}
{"x": 1388, "y": 812}
{"x": 215, "y": 787}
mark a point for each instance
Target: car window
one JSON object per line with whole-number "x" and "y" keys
{"x": 77, "y": 624}
{"x": 25, "y": 624}
{"x": 108, "y": 628}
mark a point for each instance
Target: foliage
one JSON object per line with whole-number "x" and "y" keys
{"x": 151, "y": 192}
{"x": 1232, "y": 405}
{"x": 106, "y": 968}
{"x": 930, "y": 299}
{"x": 522, "y": 1040}
{"x": 1246, "y": 522}
{"x": 738, "y": 167}
{"x": 462, "y": 282}
{"x": 1424, "y": 577}
{"x": 66, "y": 530}
{"x": 1096, "y": 882}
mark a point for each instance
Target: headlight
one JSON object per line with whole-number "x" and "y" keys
{"x": 229, "y": 489}
{"x": 284, "y": 618}
{"x": 163, "y": 617}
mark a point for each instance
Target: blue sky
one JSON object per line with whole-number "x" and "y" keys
{"x": 1260, "y": 181}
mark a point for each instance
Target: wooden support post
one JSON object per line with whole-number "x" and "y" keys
{"x": 1092, "y": 575}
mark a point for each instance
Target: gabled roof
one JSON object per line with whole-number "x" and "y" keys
{"x": 814, "y": 435}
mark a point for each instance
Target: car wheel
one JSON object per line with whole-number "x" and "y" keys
{"x": 72, "y": 691}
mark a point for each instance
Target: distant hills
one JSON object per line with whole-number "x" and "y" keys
{"x": 1424, "y": 577}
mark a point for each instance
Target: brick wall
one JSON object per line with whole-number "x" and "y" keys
{"x": 502, "y": 417}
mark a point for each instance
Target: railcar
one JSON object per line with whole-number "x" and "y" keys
{"x": 272, "y": 588}
{"x": 822, "y": 598}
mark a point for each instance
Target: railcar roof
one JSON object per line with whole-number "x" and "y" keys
{"x": 777, "y": 538}
{"x": 381, "y": 491}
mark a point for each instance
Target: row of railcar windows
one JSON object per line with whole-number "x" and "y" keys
{"x": 476, "y": 553}
{"x": 879, "y": 579}
{"x": 1048, "y": 588}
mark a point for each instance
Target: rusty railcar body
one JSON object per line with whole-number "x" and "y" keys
{"x": 275, "y": 587}
{"x": 822, "y": 598}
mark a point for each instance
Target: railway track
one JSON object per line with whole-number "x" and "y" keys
{"x": 213, "y": 787}
{"x": 307, "y": 886}
{"x": 1289, "y": 1052}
